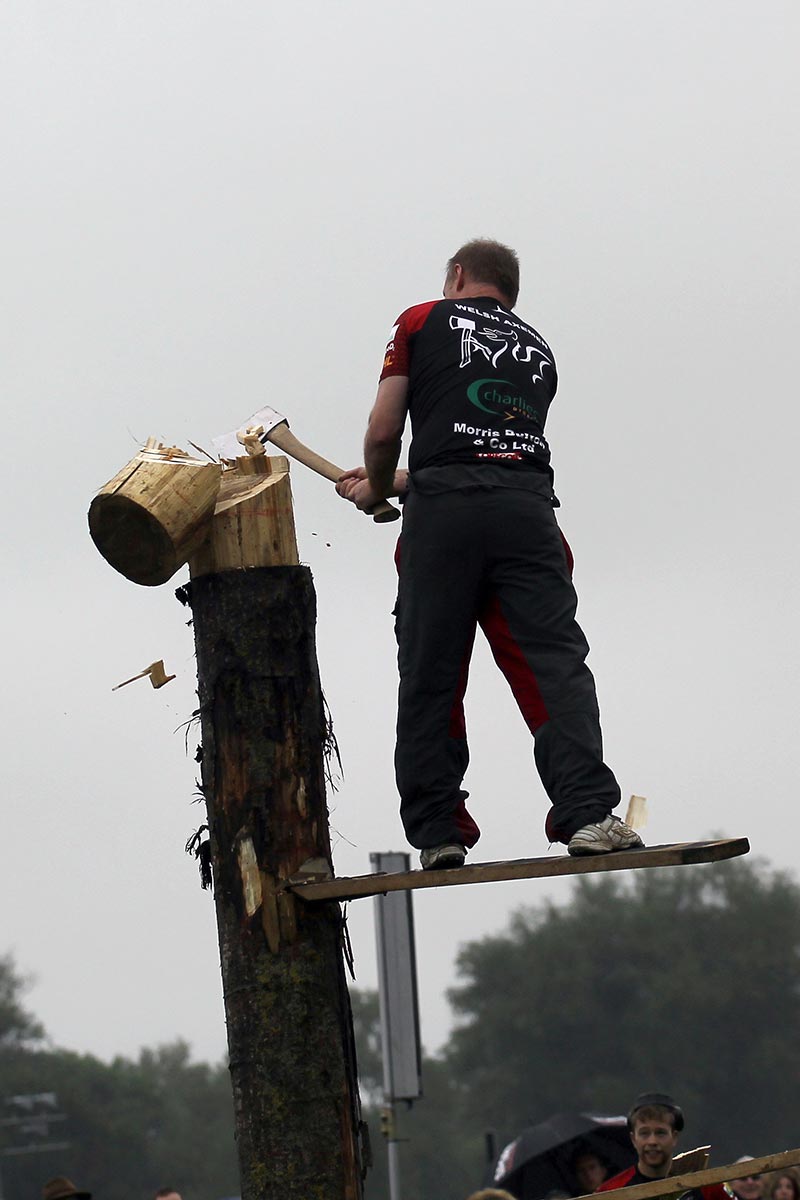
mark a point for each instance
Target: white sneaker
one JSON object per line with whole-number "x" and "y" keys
{"x": 451, "y": 855}
{"x": 603, "y": 837}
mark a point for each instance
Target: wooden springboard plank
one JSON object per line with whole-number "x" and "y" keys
{"x": 681, "y": 854}
{"x": 675, "y": 1185}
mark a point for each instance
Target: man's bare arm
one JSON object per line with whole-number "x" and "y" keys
{"x": 385, "y": 434}
{"x": 379, "y": 478}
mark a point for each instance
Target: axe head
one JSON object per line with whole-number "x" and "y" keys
{"x": 227, "y": 445}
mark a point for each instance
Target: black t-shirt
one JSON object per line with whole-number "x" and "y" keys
{"x": 480, "y": 385}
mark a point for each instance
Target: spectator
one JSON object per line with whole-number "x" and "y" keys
{"x": 784, "y": 1186}
{"x": 655, "y": 1123}
{"x": 747, "y": 1187}
{"x": 589, "y": 1170}
{"x": 167, "y": 1193}
{"x": 61, "y": 1188}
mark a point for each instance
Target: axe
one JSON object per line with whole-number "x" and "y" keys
{"x": 275, "y": 429}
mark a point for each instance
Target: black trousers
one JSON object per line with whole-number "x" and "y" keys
{"x": 494, "y": 557}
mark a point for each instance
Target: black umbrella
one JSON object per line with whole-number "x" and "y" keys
{"x": 540, "y": 1159}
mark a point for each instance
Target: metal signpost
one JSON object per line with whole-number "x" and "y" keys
{"x": 399, "y": 1009}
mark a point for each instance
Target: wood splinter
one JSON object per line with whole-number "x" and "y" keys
{"x": 636, "y": 816}
{"x": 250, "y": 438}
{"x": 158, "y": 676}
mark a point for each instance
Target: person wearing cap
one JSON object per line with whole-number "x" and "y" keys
{"x": 61, "y": 1188}
{"x": 655, "y": 1123}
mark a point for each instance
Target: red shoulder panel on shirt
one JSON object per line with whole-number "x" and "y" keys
{"x": 396, "y": 357}
{"x": 617, "y": 1181}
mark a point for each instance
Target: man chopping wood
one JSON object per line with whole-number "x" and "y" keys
{"x": 480, "y": 546}
{"x": 655, "y": 1123}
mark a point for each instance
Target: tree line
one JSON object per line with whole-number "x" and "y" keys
{"x": 126, "y": 1127}
{"x": 685, "y": 980}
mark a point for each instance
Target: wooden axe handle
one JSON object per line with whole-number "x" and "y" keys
{"x": 282, "y": 437}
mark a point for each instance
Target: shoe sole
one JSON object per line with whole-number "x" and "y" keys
{"x": 444, "y": 864}
{"x": 587, "y": 851}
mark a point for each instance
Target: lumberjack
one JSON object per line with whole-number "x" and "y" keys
{"x": 480, "y": 546}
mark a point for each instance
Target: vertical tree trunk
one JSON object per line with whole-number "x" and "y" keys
{"x": 289, "y": 1025}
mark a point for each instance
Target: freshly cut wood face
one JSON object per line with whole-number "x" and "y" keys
{"x": 150, "y": 518}
{"x": 253, "y": 521}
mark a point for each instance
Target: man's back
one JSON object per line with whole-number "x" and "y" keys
{"x": 480, "y": 384}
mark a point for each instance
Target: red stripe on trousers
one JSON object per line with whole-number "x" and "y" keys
{"x": 513, "y": 664}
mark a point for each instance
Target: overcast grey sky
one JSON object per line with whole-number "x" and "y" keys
{"x": 211, "y": 206}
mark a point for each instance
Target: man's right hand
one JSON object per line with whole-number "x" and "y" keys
{"x": 348, "y": 479}
{"x": 354, "y": 485}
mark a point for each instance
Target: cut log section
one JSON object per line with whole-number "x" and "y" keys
{"x": 151, "y": 517}
{"x": 253, "y": 522}
{"x": 310, "y": 887}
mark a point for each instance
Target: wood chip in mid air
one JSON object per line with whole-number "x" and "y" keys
{"x": 156, "y": 672}
{"x": 636, "y": 815}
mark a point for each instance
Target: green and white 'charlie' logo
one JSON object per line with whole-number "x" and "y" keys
{"x": 500, "y": 398}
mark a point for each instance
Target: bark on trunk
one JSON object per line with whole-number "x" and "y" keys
{"x": 289, "y": 1025}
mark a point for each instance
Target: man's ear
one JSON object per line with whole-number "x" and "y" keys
{"x": 459, "y": 280}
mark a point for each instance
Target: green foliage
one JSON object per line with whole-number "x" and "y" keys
{"x": 442, "y": 1157}
{"x": 17, "y": 1027}
{"x": 437, "y": 1157}
{"x": 683, "y": 980}
{"x": 367, "y": 1030}
{"x": 131, "y": 1126}
{"x": 192, "y": 1147}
